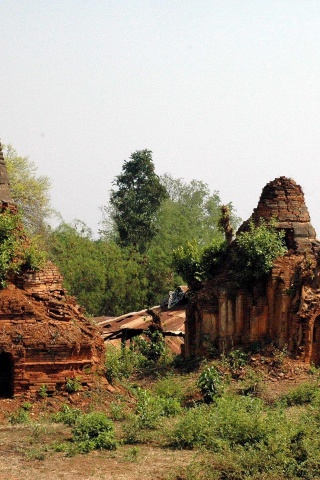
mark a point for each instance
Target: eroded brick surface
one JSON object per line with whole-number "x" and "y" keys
{"x": 285, "y": 308}
{"x": 44, "y": 337}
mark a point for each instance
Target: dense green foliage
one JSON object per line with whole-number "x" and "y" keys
{"x": 252, "y": 256}
{"x": 29, "y": 190}
{"x": 16, "y": 253}
{"x": 136, "y": 201}
{"x": 90, "y": 431}
{"x": 256, "y": 250}
{"x": 189, "y": 213}
{"x": 210, "y": 383}
{"x": 195, "y": 263}
{"x": 109, "y": 279}
{"x": 130, "y": 265}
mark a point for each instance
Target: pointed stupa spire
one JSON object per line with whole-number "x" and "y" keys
{"x": 283, "y": 200}
{"x": 5, "y": 195}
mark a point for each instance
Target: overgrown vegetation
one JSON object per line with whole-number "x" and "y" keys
{"x": 234, "y": 433}
{"x": 251, "y": 256}
{"x": 256, "y": 249}
{"x": 16, "y": 251}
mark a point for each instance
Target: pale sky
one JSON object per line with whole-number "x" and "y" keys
{"x": 227, "y": 92}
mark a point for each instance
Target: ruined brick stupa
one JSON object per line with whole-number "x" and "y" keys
{"x": 285, "y": 309}
{"x": 44, "y": 338}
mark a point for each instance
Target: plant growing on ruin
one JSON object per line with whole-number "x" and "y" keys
{"x": 16, "y": 251}
{"x": 72, "y": 385}
{"x": 43, "y": 391}
{"x": 255, "y": 252}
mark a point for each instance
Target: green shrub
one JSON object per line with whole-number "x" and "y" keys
{"x": 27, "y": 406}
{"x": 132, "y": 431}
{"x": 149, "y": 409}
{"x": 210, "y": 383}
{"x": 194, "y": 429}
{"x": 187, "y": 263}
{"x": 73, "y": 385}
{"x": 16, "y": 252}
{"x": 195, "y": 263}
{"x": 94, "y": 431}
{"x": 255, "y": 251}
{"x": 117, "y": 411}
{"x": 237, "y": 359}
{"x": 67, "y": 415}
{"x": 153, "y": 348}
{"x": 20, "y": 416}
{"x": 43, "y": 391}
{"x": 169, "y": 387}
{"x": 231, "y": 421}
{"x": 300, "y": 395}
{"x": 170, "y": 407}
{"x": 121, "y": 363}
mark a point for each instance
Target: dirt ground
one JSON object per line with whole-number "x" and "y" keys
{"x": 148, "y": 463}
{"x": 24, "y": 454}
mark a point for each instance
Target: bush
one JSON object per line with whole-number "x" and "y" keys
{"x": 187, "y": 263}
{"x": 152, "y": 349}
{"x": 94, "y": 431}
{"x": 117, "y": 411}
{"x": 121, "y": 363}
{"x": 300, "y": 395}
{"x": 210, "y": 383}
{"x": 149, "y": 409}
{"x": 43, "y": 391}
{"x": 231, "y": 421}
{"x": 255, "y": 252}
{"x": 169, "y": 387}
{"x": 72, "y": 385}
{"x": 20, "y": 416}
{"x": 195, "y": 263}
{"x": 67, "y": 415}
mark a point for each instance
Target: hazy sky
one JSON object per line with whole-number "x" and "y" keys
{"x": 225, "y": 91}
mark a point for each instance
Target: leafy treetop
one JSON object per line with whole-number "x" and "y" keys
{"x": 29, "y": 190}
{"x": 136, "y": 201}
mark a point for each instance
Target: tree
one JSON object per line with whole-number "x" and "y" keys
{"x": 82, "y": 262}
{"x": 135, "y": 203}
{"x": 191, "y": 213}
{"x": 28, "y": 190}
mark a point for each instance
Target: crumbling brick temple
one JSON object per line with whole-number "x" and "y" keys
{"x": 283, "y": 309}
{"x": 44, "y": 338}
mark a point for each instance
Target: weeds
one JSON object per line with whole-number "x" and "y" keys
{"x": 210, "y": 383}
{"x": 91, "y": 431}
{"x": 20, "y": 416}
{"x": 67, "y": 415}
{"x": 300, "y": 395}
{"x": 73, "y": 385}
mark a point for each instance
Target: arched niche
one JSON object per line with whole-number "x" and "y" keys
{"x": 6, "y": 375}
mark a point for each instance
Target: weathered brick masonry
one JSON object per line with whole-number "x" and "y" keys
{"x": 285, "y": 308}
{"x": 44, "y": 337}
